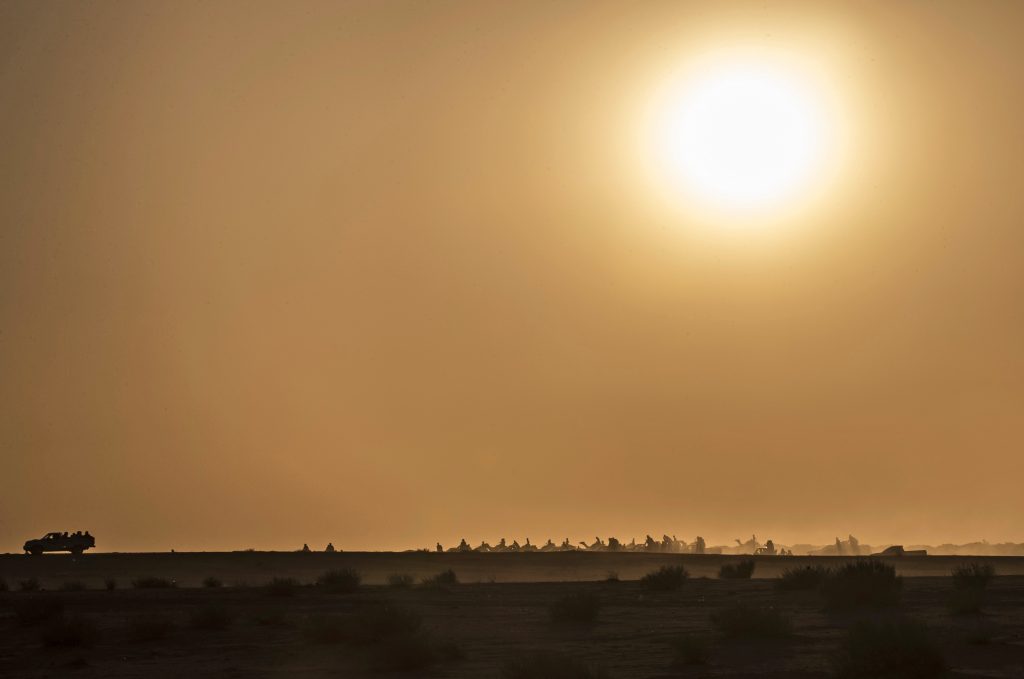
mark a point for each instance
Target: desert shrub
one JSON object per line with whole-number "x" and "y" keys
{"x": 666, "y": 578}
{"x": 442, "y": 579}
{"x": 737, "y": 571}
{"x": 142, "y": 628}
{"x": 30, "y": 585}
{"x": 341, "y": 581}
{"x": 400, "y": 581}
{"x": 549, "y": 665}
{"x": 281, "y": 587}
{"x": 862, "y": 583}
{"x": 153, "y": 583}
{"x": 578, "y": 608}
{"x": 802, "y": 579}
{"x": 209, "y": 618}
{"x": 38, "y": 609}
{"x": 212, "y": 582}
{"x": 612, "y": 578}
{"x": 110, "y": 584}
{"x": 892, "y": 648}
{"x": 974, "y": 576}
{"x": 73, "y": 586}
{"x": 749, "y": 622}
{"x": 690, "y": 650}
{"x": 74, "y": 631}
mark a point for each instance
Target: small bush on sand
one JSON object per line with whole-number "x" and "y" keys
{"x": 893, "y": 648}
{"x": 690, "y": 650}
{"x": 30, "y": 585}
{"x": 579, "y": 608}
{"x": 749, "y": 622}
{"x": 74, "y": 631}
{"x": 666, "y": 578}
{"x": 549, "y": 665}
{"x": 737, "y": 571}
{"x": 153, "y": 583}
{"x": 282, "y": 587}
{"x": 38, "y": 609}
{"x": 143, "y": 628}
{"x": 209, "y": 618}
{"x": 212, "y": 582}
{"x": 973, "y": 576}
{"x": 802, "y": 578}
{"x": 867, "y": 583}
{"x": 400, "y": 581}
{"x": 110, "y": 584}
{"x": 612, "y": 578}
{"x": 442, "y": 579}
{"x": 341, "y": 581}
{"x": 73, "y": 586}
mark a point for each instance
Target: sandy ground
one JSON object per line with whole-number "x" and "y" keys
{"x": 498, "y": 611}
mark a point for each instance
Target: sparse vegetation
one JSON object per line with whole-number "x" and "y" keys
{"x": 400, "y": 581}
{"x": 802, "y": 578}
{"x": 893, "y": 648}
{"x": 153, "y": 583}
{"x": 737, "y": 571}
{"x": 30, "y": 585}
{"x": 612, "y": 578}
{"x": 690, "y": 650}
{"x": 73, "y": 586}
{"x": 73, "y": 631}
{"x": 341, "y": 581}
{"x": 442, "y": 579}
{"x": 866, "y": 583}
{"x": 742, "y": 621}
{"x": 973, "y": 576}
{"x": 110, "y": 584}
{"x": 209, "y": 618}
{"x": 578, "y": 608}
{"x": 282, "y": 587}
{"x": 666, "y": 578}
{"x": 212, "y": 582}
{"x": 549, "y": 665}
{"x": 143, "y": 628}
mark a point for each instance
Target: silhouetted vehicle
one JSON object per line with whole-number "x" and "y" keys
{"x": 76, "y": 543}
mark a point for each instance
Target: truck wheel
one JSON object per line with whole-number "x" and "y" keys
{"x": 77, "y": 551}
{"x": 35, "y": 552}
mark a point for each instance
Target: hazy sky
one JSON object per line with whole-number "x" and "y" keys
{"x": 391, "y": 273}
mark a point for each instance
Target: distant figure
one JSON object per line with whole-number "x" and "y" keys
{"x": 305, "y": 547}
{"x": 330, "y": 547}
{"x": 439, "y": 548}
{"x": 698, "y": 545}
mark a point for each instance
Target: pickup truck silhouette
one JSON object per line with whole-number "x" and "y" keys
{"x": 76, "y": 543}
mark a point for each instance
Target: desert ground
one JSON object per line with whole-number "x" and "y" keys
{"x": 499, "y": 611}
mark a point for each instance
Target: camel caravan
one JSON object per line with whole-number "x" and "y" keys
{"x": 667, "y": 544}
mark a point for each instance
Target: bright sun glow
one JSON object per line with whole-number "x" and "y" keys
{"x": 740, "y": 136}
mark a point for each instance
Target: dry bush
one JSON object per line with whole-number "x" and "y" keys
{"x": 751, "y": 622}
{"x": 400, "y": 581}
{"x": 578, "y": 608}
{"x": 442, "y": 579}
{"x": 281, "y": 587}
{"x": 867, "y": 583}
{"x": 802, "y": 578}
{"x": 341, "y": 581}
{"x": 213, "y": 583}
{"x": 737, "y": 571}
{"x": 549, "y": 665}
{"x": 891, "y": 648}
{"x": 666, "y": 578}
{"x": 974, "y": 576}
{"x": 110, "y": 584}
{"x": 153, "y": 583}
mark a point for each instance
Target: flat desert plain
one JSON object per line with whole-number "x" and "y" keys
{"x": 499, "y": 612}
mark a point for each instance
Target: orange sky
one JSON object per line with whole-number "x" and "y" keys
{"x": 392, "y": 273}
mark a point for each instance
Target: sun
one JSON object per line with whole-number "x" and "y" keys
{"x": 744, "y": 136}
